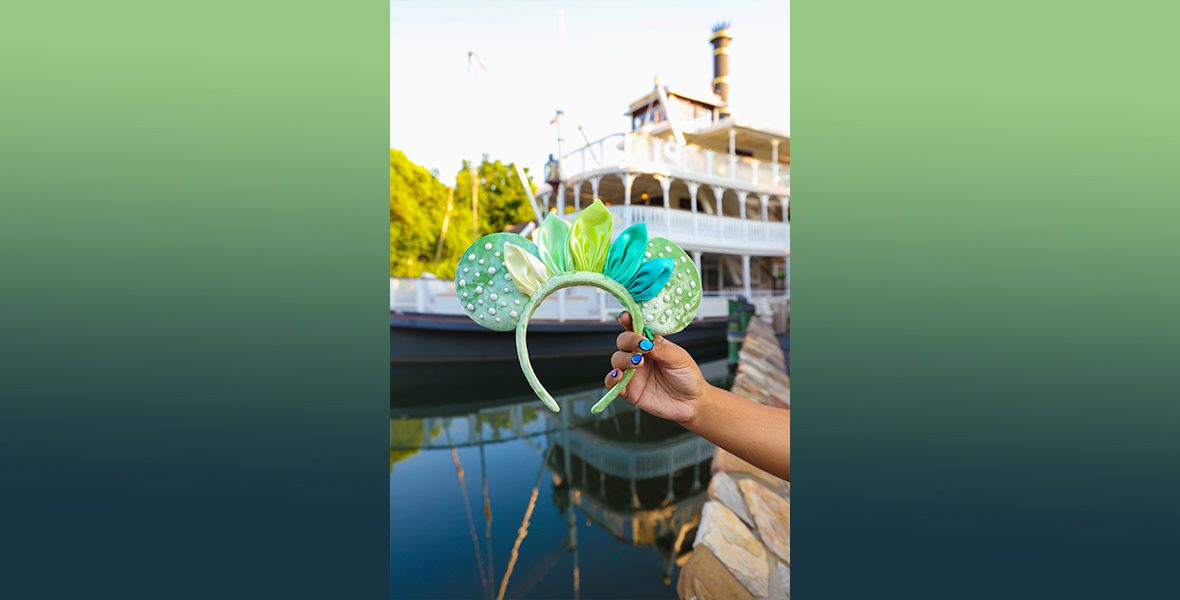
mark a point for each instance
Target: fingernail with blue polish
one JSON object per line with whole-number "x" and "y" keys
{"x": 614, "y": 373}
{"x": 621, "y": 313}
{"x": 636, "y": 359}
{"x": 645, "y": 345}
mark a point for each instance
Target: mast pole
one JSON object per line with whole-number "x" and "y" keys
{"x": 560, "y": 85}
{"x": 474, "y": 169}
{"x": 446, "y": 219}
{"x": 474, "y": 204}
{"x": 560, "y": 158}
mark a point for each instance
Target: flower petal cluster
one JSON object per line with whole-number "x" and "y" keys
{"x": 586, "y": 246}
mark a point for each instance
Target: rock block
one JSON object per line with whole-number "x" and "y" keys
{"x": 761, "y": 375}
{"x": 772, "y": 514}
{"x": 706, "y": 578}
{"x": 725, "y": 490}
{"x": 764, "y": 345}
{"x": 725, "y": 462}
{"x": 780, "y": 581}
{"x": 723, "y": 533}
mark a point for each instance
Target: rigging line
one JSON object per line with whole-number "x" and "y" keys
{"x": 446, "y": 219}
{"x": 538, "y": 573}
{"x": 522, "y": 532}
{"x": 483, "y": 575}
{"x": 471, "y": 55}
{"x": 487, "y": 504}
{"x": 520, "y": 435}
{"x": 573, "y": 533}
{"x": 530, "y": 443}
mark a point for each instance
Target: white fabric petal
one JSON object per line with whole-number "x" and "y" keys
{"x": 528, "y": 272}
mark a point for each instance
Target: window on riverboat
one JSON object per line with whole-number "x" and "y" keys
{"x": 688, "y": 114}
{"x": 652, "y": 115}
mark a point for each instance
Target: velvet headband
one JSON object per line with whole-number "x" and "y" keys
{"x": 503, "y": 278}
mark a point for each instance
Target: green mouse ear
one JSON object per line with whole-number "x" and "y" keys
{"x": 484, "y": 286}
{"x": 675, "y": 306}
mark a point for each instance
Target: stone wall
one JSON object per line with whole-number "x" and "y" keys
{"x": 743, "y": 546}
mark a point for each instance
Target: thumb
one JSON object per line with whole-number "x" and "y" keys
{"x": 666, "y": 353}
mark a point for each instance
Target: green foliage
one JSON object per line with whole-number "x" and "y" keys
{"x": 418, "y": 202}
{"x": 502, "y": 203}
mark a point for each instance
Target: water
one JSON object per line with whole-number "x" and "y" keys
{"x": 597, "y": 506}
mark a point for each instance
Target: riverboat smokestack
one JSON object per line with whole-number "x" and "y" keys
{"x": 720, "y": 41}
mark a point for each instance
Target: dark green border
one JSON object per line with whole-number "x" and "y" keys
{"x": 193, "y": 244}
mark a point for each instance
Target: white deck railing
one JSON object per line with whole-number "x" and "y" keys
{"x": 437, "y": 297}
{"x": 652, "y": 154}
{"x": 699, "y": 230}
{"x": 634, "y": 461}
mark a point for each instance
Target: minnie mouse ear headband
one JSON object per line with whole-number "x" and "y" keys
{"x": 503, "y": 278}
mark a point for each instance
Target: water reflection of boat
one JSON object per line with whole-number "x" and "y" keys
{"x": 640, "y": 478}
{"x": 645, "y": 488}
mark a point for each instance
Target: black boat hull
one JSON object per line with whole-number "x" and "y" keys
{"x": 450, "y": 359}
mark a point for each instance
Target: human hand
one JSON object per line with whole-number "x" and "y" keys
{"x": 667, "y": 382}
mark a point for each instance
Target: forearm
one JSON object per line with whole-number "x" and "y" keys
{"x": 758, "y": 434}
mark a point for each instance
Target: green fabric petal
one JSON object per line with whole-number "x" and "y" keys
{"x": 590, "y": 238}
{"x": 626, "y": 253}
{"x": 650, "y": 278}
{"x": 554, "y": 245}
{"x": 528, "y": 272}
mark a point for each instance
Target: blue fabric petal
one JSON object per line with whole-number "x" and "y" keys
{"x": 650, "y": 278}
{"x": 626, "y": 253}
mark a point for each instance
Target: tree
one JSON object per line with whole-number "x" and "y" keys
{"x": 418, "y": 201}
{"x": 416, "y": 204}
{"x": 502, "y": 202}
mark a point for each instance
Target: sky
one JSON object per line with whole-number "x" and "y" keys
{"x": 441, "y": 114}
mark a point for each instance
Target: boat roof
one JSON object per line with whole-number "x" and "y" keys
{"x": 711, "y": 100}
{"x": 750, "y": 137}
{"x": 743, "y": 126}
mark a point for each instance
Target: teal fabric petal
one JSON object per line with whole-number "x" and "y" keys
{"x": 590, "y": 237}
{"x": 626, "y": 253}
{"x": 554, "y": 245}
{"x": 650, "y": 278}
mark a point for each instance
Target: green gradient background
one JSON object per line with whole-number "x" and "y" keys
{"x": 193, "y": 242}
{"x": 984, "y": 296}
